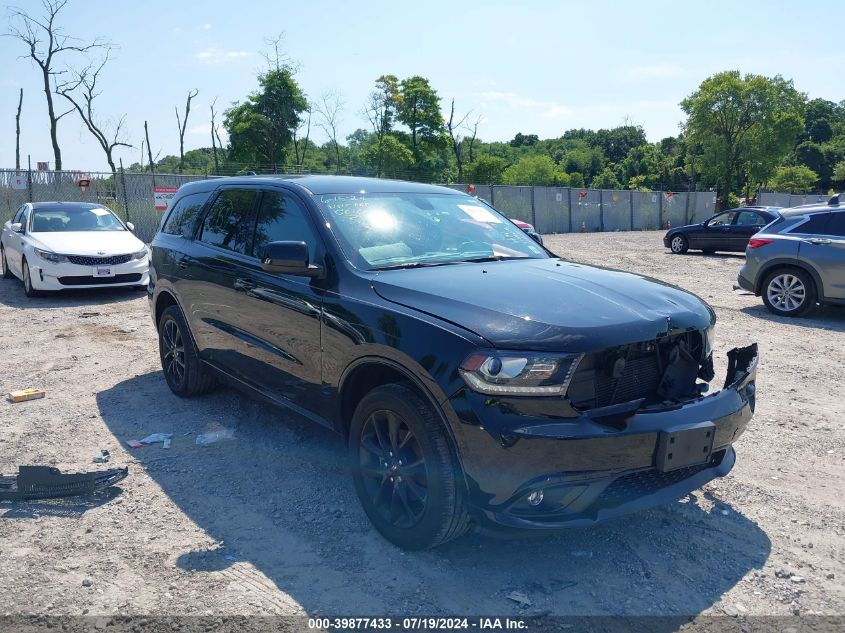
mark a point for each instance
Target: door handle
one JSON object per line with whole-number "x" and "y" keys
{"x": 819, "y": 241}
{"x": 245, "y": 285}
{"x": 183, "y": 261}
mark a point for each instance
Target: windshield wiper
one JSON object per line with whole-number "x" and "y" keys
{"x": 493, "y": 258}
{"x": 415, "y": 265}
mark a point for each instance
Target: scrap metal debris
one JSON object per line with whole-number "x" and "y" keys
{"x": 164, "y": 438}
{"x": 47, "y": 482}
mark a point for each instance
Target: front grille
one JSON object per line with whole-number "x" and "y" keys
{"x": 636, "y": 371}
{"x": 646, "y": 482}
{"x": 111, "y": 260}
{"x": 89, "y": 280}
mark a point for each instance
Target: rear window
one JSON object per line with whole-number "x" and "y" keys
{"x": 817, "y": 224}
{"x": 836, "y": 226}
{"x": 183, "y": 215}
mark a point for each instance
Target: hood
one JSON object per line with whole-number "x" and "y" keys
{"x": 88, "y": 242}
{"x": 686, "y": 227}
{"x": 547, "y": 304}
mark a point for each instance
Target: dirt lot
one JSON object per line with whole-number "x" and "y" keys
{"x": 268, "y": 523}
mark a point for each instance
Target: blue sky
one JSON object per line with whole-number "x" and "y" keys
{"x": 531, "y": 67}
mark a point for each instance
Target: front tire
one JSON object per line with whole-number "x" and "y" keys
{"x": 405, "y": 473}
{"x": 789, "y": 292}
{"x": 28, "y": 289}
{"x": 183, "y": 370}
{"x": 679, "y": 244}
{"x": 4, "y": 265}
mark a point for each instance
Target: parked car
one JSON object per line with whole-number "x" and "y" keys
{"x": 529, "y": 230}
{"x": 798, "y": 261}
{"x": 725, "y": 231}
{"x": 60, "y": 245}
{"x": 476, "y": 378}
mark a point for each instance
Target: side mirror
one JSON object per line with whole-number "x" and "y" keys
{"x": 289, "y": 258}
{"x": 17, "y": 227}
{"x": 130, "y": 226}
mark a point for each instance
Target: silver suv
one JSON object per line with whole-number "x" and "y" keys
{"x": 798, "y": 261}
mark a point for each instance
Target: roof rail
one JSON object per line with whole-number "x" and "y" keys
{"x": 834, "y": 200}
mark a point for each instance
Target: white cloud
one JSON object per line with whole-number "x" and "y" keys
{"x": 547, "y": 109}
{"x": 214, "y": 55}
{"x": 204, "y": 27}
{"x": 204, "y": 129}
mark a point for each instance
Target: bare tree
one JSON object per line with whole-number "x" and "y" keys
{"x": 213, "y": 140}
{"x": 81, "y": 91}
{"x": 46, "y": 42}
{"x": 276, "y": 57}
{"x": 18, "y": 133}
{"x": 457, "y": 139}
{"x": 149, "y": 149}
{"x": 183, "y": 124}
{"x": 329, "y": 108}
{"x": 471, "y": 139}
{"x": 300, "y": 143}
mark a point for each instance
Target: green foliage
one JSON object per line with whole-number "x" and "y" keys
{"x": 743, "y": 126}
{"x": 733, "y": 201}
{"x": 797, "y": 179}
{"x": 419, "y": 110}
{"x": 606, "y": 180}
{"x": 534, "y": 170}
{"x": 485, "y": 170}
{"x": 393, "y": 156}
{"x": 261, "y": 129}
{"x": 576, "y": 179}
{"x": 839, "y": 173}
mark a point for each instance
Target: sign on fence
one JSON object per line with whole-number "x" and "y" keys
{"x": 162, "y": 196}
{"x": 18, "y": 181}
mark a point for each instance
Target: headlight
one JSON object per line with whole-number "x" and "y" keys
{"x": 140, "y": 254}
{"x": 709, "y": 340}
{"x": 50, "y": 256}
{"x": 519, "y": 373}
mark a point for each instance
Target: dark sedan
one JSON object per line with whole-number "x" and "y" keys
{"x": 726, "y": 231}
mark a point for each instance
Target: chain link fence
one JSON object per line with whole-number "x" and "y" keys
{"x": 549, "y": 209}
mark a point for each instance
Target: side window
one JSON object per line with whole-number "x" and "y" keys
{"x": 816, "y": 225}
{"x": 837, "y": 224}
{"x": 25, "y": 219}
{"x": 182, "y": 218}
{"x": 18, "y": 215}
{"x": 281, "y": 218}
{"x": 230, "y": 221}
{"x": 750, "y": 218}
{"x": 723, "y": 219}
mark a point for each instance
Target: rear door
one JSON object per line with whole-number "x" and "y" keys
{"x": 746, "y": 224}
{"x": 825, "y": 250}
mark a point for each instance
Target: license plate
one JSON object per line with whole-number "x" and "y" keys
{"x": 103, "y": 271}
{"x": 685, "y": 445}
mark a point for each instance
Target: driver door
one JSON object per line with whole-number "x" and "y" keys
{"x": 716, "y": 232}
{"x": 14, "y": 242}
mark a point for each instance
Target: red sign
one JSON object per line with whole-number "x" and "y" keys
{"x": 581, "y": 195}
{"x": 43, "y": 166}
{"x": 163, "y": 195}
{"x": 669, "y": 195}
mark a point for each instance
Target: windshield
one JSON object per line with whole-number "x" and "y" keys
{"x": 379, "y": 231}
{"x": 75, "y": 219}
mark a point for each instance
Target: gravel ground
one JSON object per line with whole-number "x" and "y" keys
{"x": 267, "y": 523}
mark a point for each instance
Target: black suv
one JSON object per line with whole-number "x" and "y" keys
{"x": 477, "y": 378}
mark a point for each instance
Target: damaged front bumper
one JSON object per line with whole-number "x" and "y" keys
{"x": 591, "y": 467}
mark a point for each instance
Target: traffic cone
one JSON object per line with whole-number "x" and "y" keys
{"x": 583, "y": 226}
{"x": 668, "y": 224}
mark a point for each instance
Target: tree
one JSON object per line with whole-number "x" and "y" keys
{"x": 839, "y": 172}
{"x": 183, "y": 124}
{"x": 18, "y": 132}
{"x": 745, "y": 126}
{"x": 457, "y": 139}
{"x": 300, "y": 143}
{"x": 261, "y": 129}
{"x": 420, "y": 112}
{"x": 392, "y": 157}
{"x": 534, "y": 170}
{"x": 47, "y": 42}
{"x": 606, "y": 180}
{"x": 151, "y": 161}
{"x": 81, "y": 91}
{"x": 524, "y": 140}
{"x": 381, "y": 110}
{"x": 798, "y": 179}
{"x": 329, "y": 109}
{"x": 486, "y": 170}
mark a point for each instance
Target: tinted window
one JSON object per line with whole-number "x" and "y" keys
{"x": 18, "y": 215}
{"x": 815, "y": 225}
{"x": 837, "y": 224}
{"x": 282, "y": 219}
{"x": 230, "y": 221}
{"x": 722, "y": 219}
{"x": 183, "y": 216}
{"x": 749, "y": 218}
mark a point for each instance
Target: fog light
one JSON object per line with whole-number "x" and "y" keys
{"x": 535, "y": 498}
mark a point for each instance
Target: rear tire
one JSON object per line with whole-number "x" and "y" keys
{"x": 679, "y": 244}
{"x": 27, "y": 281}
{"x": 789, "y": 292}
{"x": 404, "y": 471}
{"x": 183, "y": 370}
{"x": 4, "y": 266}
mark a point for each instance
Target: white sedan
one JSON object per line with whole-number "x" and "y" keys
{"x": 61, "y": 245}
